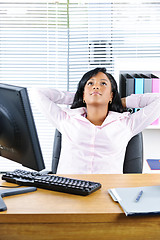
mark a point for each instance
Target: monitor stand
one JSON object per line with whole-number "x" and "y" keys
{"x": 9, "y": 192}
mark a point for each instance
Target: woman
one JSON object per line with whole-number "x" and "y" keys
{"x": 96, "y": 131}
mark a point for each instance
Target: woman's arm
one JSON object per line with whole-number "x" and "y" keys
{"x": 47, "y": 99}
{"x": 150, "y": 110}
{"x": 141, "y": 100}
{"x": 54, "y": 95}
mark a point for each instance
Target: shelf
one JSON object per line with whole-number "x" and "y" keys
{"x": 156, "y": 127}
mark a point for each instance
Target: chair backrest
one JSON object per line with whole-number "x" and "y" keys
{"x": 56, "y": 150}
{"x": 133, "y": 162}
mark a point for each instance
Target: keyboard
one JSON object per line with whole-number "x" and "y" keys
{"x": 51, "y": 182}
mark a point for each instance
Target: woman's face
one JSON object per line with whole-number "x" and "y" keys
{"x": 97, "y": 90}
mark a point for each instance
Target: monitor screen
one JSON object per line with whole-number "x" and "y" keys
{"x": 18, "y": 137}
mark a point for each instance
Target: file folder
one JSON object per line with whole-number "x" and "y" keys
{"x": 155, "y": 89}
{"x": 147, "y": 83}
{"x": 155, "y": 84}
{"x": 122, "y": 86}
{"x": 139, "y": 85}
{"x": 148, "y": 202}
{"x": 126, "y": 85}
{"x": 154, "y": 164}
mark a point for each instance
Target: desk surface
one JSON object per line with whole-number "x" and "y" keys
{"x": 49, "y": 207}
{"x": 98, "y": 203}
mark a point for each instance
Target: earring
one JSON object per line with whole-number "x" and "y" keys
{"x": 84, "y": 101}
{"x": 110, "y": 102}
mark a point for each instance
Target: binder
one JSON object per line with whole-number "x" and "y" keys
{"x": 134, "y": 203}
{"x": 147, "y": 83}
{"x": 155, "y": 84}
{"x": 122, "y": 86}
{"x": 126, "y": 85}
{"x": 154, "y": 164}
{"x": 155, "y": 89}
{"x": 139, "y": 83}
{"x": 139, "y": 86}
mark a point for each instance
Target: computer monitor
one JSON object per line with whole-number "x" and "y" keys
{"x": 18, "y": 137}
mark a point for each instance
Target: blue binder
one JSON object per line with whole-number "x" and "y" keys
{"x": 139, "y": 86}
{"x": 154, "y": 164}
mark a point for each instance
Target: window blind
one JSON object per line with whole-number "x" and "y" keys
{"x": 53, "y": 43}
{"x": 34, "y": 51}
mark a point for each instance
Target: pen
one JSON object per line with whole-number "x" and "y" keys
{"x": 139, "y": 196}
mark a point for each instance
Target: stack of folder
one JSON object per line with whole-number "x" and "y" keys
{"x": 154, "y": 164}
{"x": 137, "y": 200}
{"x": 139, "y": 83}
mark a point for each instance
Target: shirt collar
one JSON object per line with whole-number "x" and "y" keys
{"x": 114, "y": 116}
{"x": 76, "y": 111}
{"x": 80, "y": 113}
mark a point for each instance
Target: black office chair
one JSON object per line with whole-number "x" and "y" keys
{"x": 133, "y": 162}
